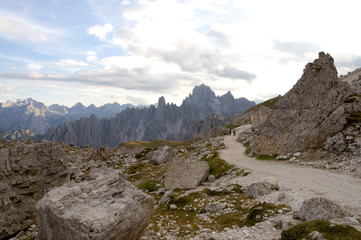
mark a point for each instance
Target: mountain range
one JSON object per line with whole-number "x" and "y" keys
{"x": 37, "y": 117}
{"x": 166, "y": 121}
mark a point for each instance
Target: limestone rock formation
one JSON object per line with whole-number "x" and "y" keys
{"x": 37, "y": 117}
{"x": 320, "y": 208}
{"x": 162, "y": 155}
{"x": 185, "y": 174}
{"x": 105, "y": 207}
{"x": 313, "y": 110}
{"x": 166, "y": 121}
{"x": 27, "y": 172}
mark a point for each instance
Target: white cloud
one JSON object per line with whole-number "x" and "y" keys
{"x": 18, "y": 28}
{"x": 70, "y": 62}
{"x": 92, "y": 57}
{"x": 34, "y": 67}
{"x": 100, "y": 31}
{"x": 125, "y": 2}
{"x": 5, "y": 89}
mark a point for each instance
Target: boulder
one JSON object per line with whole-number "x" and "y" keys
{"x": 258, "y": 189}
{"x": 320, "y": 208}
{"x": 27, "y": 172}
{"x": 316, "y": 236}
{"x": 185, "y": 174}
{"x": 162, "y": 155}
{"x": 106, "y": 207}
{"x": 273, "y": 182}
{"x": 215, "y": 207}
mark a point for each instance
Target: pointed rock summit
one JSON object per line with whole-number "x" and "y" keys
{"x": 313, "y": 110}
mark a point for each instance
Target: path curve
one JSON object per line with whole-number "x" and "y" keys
{"x": 303, "y": 182}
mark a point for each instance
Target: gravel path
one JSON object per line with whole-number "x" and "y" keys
{"x": 302, "y": 182}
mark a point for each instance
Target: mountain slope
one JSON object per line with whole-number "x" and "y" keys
{"x": 149, "y": 123}
{"x": 33, "y": 115}
{"x": 316, "y": 108}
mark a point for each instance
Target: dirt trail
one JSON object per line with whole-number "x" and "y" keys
{"x": 303, "y": 182}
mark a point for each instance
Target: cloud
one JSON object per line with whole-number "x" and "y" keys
{"x": 235, "y": 73}
{"x": 349, "y": 62}
{"x": 5, "y": 89}
{"x": 219, "y": 37}
{"x": 100, "y": 31}
{"x": 298, "y": 48}
{"x": 34, "y": 67}
{"x": 18, "y": 28}
{"x": 70, "y": 62}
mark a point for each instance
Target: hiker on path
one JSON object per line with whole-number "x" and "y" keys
{"x": 234, "y": 132}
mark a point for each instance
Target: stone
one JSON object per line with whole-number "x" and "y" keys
{"x": 258, "y": 189}
{"x": 162, "y": 155}
{"x": 297, "y": 154}
{"x": 215, "y": 207}
{"x": 185, "y": 174}
{"x": 316, "y": 236}
{"x": 27, "y": 172}
{"x": 273, "y": 182}
{"x": 106, "y": 207}
{"x": 172, "y": 206}
{"x": 358, "y": 172}
{"x": 211, "y": 178}
{"x": 320, "y": 208}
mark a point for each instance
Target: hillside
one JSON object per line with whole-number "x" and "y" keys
{"x": 37, "y": 117}
{"x": 166, "y": 121}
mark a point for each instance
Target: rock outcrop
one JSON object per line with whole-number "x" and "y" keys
{"x": 166, "y": 121}
{"x": 162, "y": 155}
{"x": 313, "y": 110}
{"x": 185, "y": 174}
{"x": 105, "y": 207}
{"x": 320, "y": 208}
{"x": 27, "y": 172}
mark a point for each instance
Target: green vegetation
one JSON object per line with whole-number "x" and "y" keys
{"x": 158, "y": 143}
{"x": 329, "y": 231}
{"x": 353, "y": 98}
{"x": 271, "y": 103}
{"x": 232, "y": 126}
{"x": 149, "y": 185}
{"x": 217, "y": 166}
{"x": 189, "y": 215}
{"x": 266, "y": 157}
{"x": 354, "y": 118}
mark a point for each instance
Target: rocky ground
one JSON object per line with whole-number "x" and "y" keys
{"x": 235, "y": 201}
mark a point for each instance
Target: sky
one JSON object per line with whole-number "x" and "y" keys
{"x": 104, "y": 51}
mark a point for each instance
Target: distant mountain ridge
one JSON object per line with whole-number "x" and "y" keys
{"x": 36, "y": 116}
{"x": 162, "y": 122}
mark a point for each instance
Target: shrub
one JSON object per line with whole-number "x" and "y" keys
{"x": 149, "y": 185}
{"x": 330, "y": 232}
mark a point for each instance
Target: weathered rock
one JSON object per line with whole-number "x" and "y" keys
{"x": 273, "y": 182}
{"x": 215, "y": 207}
{"x": 185, "y": 174}
{"x": 27, "y": 172}
{"x": 312, "y": 111}
{"x": 162, "y": 155}
{"x": 320, "y": 208}
{"x": 258, "y": 189}
{"x": 259, "y": 115}
{"x": 107, "y": 207}
{"x": 316, "y": 236}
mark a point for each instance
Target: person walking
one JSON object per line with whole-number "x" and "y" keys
{"x": 234, "y": 132}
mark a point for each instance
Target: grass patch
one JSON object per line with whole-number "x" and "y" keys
{"x": 258, "y": 212}
{"x": 158, "y": 143}
{"x": 149, "y": 185}
{"x": 266, "y": 157}
{"x": 329, "y": 231}
{"x": 354, "y": 118}
{"x": 232, "y": 126}
{"x": 271, "y": 103}
{"x": 217, "y": 166}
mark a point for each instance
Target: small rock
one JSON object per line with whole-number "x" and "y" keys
{"x": 211, "y": 178}
{"x": 297, "y": 154}
{"x": 173, "y": 206}
{"x": 273, "y": 182}
{"x": 258, "y": 189}
{"x": 316, "y": 236}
